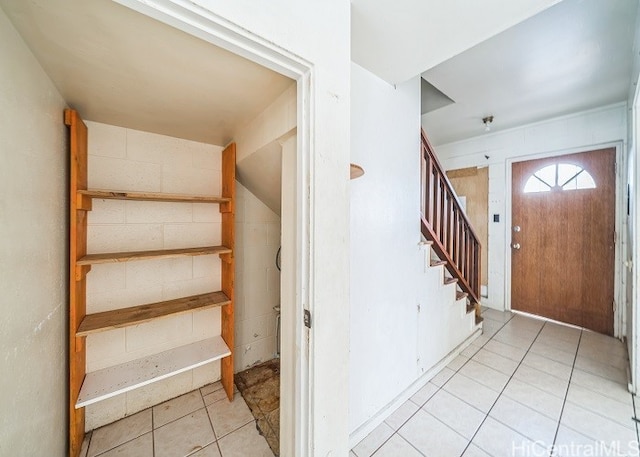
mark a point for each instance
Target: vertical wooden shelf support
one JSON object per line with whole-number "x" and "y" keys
{"x": 228, "y": 265}
{"x": 78, "y": 274}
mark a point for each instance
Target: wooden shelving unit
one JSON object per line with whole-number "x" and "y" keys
{"x": 87, "y": 388}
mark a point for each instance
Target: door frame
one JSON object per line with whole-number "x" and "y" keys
{"x": 295, "y": 390}
{"x": 619, "y": 311}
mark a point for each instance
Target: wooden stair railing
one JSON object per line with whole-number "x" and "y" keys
{"x": 447, "y": 226}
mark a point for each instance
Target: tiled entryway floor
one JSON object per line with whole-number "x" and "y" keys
{"x": 525, "y": 387}
{"x": 201, "y": 423}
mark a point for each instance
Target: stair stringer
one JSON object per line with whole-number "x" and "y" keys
{"x": 443, "y": 320}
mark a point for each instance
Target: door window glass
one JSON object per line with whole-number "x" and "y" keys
{"x": 564, "y": 176}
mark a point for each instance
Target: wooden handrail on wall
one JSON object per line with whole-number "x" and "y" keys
{"x": 447, "y": 226}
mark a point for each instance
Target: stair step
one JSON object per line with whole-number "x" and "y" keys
{"x": 461, "y": 295}
{"x": 470, "y": 308}
{"x": 436, "y": 263}
{"x": 479, "y": 319}
{"x": 450, "y": 281}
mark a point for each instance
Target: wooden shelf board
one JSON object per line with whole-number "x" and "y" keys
{"x": 109, "y": 382}
{"x": 112, "y": 257}
{"x": 152, "y": 196}
{"x": 118, "y": 318}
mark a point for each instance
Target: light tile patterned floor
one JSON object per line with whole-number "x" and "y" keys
{"x": 526, "y": 387}
{"x": 201, "y": 423}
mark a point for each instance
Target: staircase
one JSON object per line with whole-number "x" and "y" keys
{"x": 449, "y": 232}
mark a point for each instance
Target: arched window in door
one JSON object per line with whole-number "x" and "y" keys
{"x": 563, "y": 176}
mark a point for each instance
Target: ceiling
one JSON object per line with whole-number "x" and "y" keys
{"x": 573, "y": 56}
{"x": 120, "y": 67}
{"x": 400, "y": 39}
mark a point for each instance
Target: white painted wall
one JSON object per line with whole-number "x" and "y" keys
{"x": 33, "y": 254}
{"x": 124, "y": 159}
{"x": 403, "y": 319}
{"x": 577, "y": 132}
{"x": 319, "y": 33}
{"x": 631, "y": 255}
{"x": 257, "y": 281}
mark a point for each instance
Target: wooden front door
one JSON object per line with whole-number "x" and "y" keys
{"x": 563, "y": 238}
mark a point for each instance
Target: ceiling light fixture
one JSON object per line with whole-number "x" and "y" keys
{"x": 487, "y": 123}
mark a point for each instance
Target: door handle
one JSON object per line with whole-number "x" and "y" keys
{"x": 515, "y": 246}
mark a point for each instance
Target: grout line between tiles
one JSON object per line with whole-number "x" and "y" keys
{"x": 635, "y": 420}
{"x": 153, "y": 435}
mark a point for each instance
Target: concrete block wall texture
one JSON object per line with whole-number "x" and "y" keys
{"x": 257, "y": 280}
{"x": 125, "y": 159}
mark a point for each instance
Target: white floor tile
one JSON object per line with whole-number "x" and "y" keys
{"x": 553, "y": 352}
{"x": 536, "y": 399}
{"x": 564, "y": 345}
{"x": 604, "y": 356}
{"x": 177, "y": 408}
{"x": 496, "y": 361}
{"x": 424, "y": 394}
{"x": 500, "y": 441}
{"x": 396, "y": 447}
{"x": 442, "y": 377}
{"x": 139, "y": 447}
{"x": 457, "y": 414}
{"x": 401, "y": 415}
{"x": 373, "y": 440}
{"x": 117, "y": 433}
{"x": 470, "y": 350}
{"x": 432, "y": 437}
{"x": 490, "y": 327}
{"x": 500, "y": 316}
{"x": 527, "y": 322}
{"x": 557, "y": 369}
{"x": 595, "y": 426}
{"x": 474, "y": 451}
{"x": 489, "y": 377}
{"x": 183, "y": 436}
{"x": 543, "y": 381}
{"x": 561, "y": 332}
{"x": 526, "y": 421}
{"x": 470, "y": 391}
{"x": 612, "y": 409}
{"x": 511, "y": 352}
{"x": 458, "y": 362}
{"x": 512, "y": 339}
{"x": 601, "y": 385}
{"x": 570, "y": 443}
{"x": 228, "y": 416}
{"x": 244, "y": 442}
{"x": 209, "y": 451}
{"x": 606, "y": 371}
